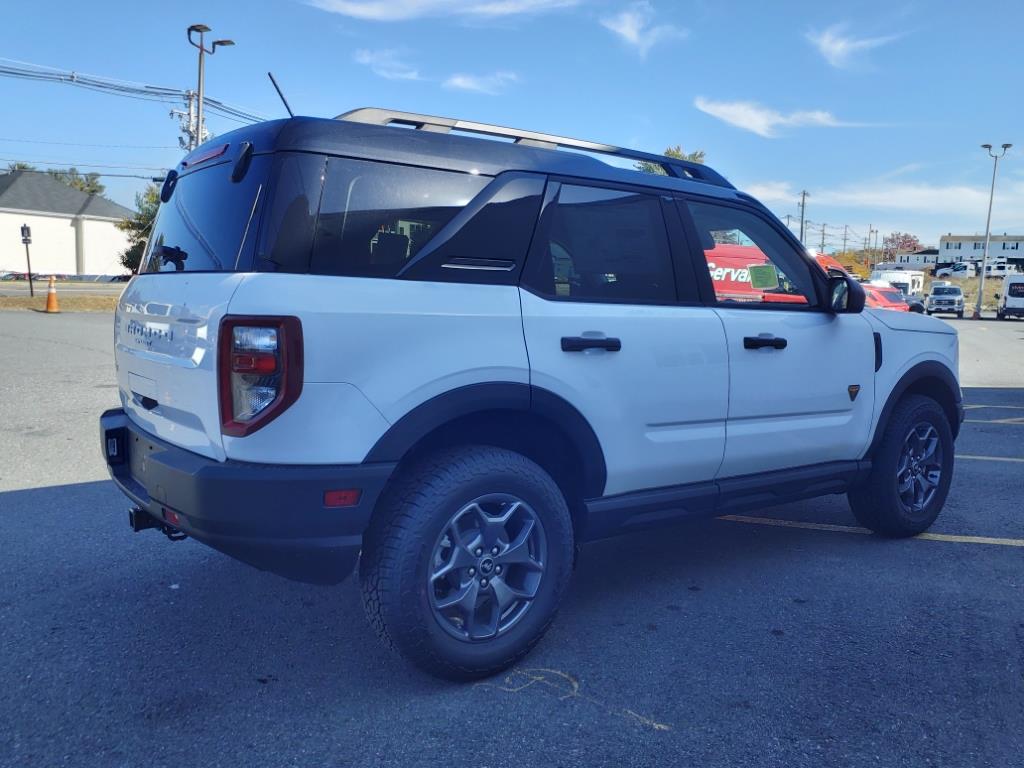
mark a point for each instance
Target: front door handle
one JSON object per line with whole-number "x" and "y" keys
{"x": 759, "y": 342}
{"x": 580, "y": 343}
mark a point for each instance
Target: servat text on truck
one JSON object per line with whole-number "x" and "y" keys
{"x": 444, "y": 362}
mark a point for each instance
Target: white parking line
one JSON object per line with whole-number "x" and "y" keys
{"x": 990, "y": 458}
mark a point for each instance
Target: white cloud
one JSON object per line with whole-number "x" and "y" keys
{"x": 490, "y": 84}
{"x": 387, "y": 63}
{"x": 635, "y": 26}
{"x": 402, "y": 10}
{"x": 840, "y": 49}
{"x": 765, "y": 121}
{"x": 772, "y": 192}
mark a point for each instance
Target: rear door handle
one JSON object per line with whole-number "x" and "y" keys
{"x": 580, "y": 343}
{"x": 758, "y": 342}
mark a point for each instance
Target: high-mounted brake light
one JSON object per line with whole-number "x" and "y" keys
{"x": 259, "y": 370}
{"x": 201, "y": 156}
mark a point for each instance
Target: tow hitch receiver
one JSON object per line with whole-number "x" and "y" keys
{"x": 140, "y": 520}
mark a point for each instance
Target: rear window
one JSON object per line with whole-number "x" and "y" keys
{"x": 375, "y": 217}
{"x": 1016, "y": 290}
{"x": 202, "y": 228}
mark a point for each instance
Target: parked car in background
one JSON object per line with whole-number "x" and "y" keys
{"x": 914, "y": 303}
{"x": 909, "y": 282}
{"x": 1011, "y": 300}
{"x": 881, "y": 295}
{"x": 1000, "y": 270}
{"x": 945, "y": 299}
{"x": 958, "y": 271}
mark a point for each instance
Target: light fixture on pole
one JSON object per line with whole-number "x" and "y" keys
{"x": 201, "y": 30}
{"x": 988, "y": 225}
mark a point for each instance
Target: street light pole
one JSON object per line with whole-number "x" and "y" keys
{"x": 988, "y": 225}
{"x": 202, "y": 29}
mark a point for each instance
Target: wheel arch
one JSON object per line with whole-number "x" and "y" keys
{"x": 931, "y": 379}
{"x": 529, "y": 420}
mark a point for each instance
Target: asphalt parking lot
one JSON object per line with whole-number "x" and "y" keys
{"x": 787, "y": 639}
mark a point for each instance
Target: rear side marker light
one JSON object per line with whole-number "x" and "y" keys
{"x": 344, "y": 498}
{"x": 260, "y": 370}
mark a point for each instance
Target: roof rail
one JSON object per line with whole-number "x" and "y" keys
{"x": 672, "y": 166}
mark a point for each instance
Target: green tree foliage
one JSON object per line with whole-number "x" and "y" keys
{"x": 19, "y": 166}
{"x": 677, "y": 153}
{"x": 84, "y": 182}
{"x": 138, "y": 226}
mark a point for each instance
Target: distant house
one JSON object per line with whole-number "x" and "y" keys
{"x": 72, "y": 232}
{"x": 1004, "y": 247}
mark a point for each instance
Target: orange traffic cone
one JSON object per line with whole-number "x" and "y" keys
{"x": 51, "y": 298}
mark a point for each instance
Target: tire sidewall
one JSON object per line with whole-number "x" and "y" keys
{"x": 918, "y": 409}
{"x": 420, "y": 624}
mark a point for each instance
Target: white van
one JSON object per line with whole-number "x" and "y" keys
{"x": 1000, "y": 270}
{"x": 909, "y": 282}
{"x": 1011, "y": 300}
{"x": 958, "y": 271}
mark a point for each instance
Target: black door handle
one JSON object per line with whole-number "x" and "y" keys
{"x": 580, "y": 343}
{"x": 757, "y": 342}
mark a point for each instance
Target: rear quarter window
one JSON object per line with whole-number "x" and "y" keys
{"x": 376, "y": 217}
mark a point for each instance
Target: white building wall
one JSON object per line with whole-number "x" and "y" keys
{"x": 53, "y": 245}
{"x": 103, "y": 245}
{"x": 52, "y": 248}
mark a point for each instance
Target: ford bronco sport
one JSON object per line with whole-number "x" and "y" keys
{"x": 448, "y": 361}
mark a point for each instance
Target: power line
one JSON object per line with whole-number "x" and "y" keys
{"x": 103, "y": 174}
{"x": 80, "y": 144}
{"x": 68, "y": 164}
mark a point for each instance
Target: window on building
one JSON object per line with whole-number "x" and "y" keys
{"x": 979, "y": 246}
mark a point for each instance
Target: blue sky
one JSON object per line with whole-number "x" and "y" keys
{"x": 876, "y": 109}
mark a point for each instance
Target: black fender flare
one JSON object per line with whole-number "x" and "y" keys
{"x": 927, "y": 370}
{"x": 497, "y": 396}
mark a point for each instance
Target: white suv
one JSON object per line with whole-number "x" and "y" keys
{"x": 453, "y": 360}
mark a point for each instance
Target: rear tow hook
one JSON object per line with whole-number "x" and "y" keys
{"x": 140, "y": 520}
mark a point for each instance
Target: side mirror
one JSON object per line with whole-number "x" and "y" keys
{"x": 846, "y": 296}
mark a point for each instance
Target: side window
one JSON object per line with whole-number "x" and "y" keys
{"x": 374, "y": 217}
{"x": 604, "y": 245}
{"x": 749, "y": 262}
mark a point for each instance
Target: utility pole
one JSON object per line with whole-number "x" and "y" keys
{"x": 846, "y": 228}
{"x": 789, "y": 216}
{"x": 187, "y": 122}
{"x": 822, "y": 249}
{"x": 202, "y": 29}
{"x": 988, "y": 226}
{"x": 803, "y": 207}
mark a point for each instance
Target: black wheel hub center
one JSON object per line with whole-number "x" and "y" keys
{"x": 486, "y": 566}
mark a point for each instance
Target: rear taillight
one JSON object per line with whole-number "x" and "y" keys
{"x": 260, "y": 370}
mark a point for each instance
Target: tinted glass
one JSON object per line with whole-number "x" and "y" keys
{"x": 202, "y": 226}
{"x": 946, "y": 291}
{"x": 749, "y": 261}
{"x": 486, "y": 242}
{"x": 375, "y": 217}
{"x": 289, "y": 217}
{"x": 604, "y": 245}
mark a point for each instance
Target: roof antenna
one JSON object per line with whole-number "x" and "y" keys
{"x": 278, "y": 89}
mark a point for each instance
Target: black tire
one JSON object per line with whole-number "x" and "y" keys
{"x": 410, "y": 527}
{"x": 877, "y": 503}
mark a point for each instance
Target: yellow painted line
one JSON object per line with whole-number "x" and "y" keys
{"x": 989, "y": 458}
{"x": 775, "y": 522}
{"x": 1012, "y": 422}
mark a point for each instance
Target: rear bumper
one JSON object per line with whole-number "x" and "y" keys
{"x": 268, "y": 515}
{"x": 1010, "y": 311}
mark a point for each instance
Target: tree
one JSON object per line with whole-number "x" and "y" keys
{"x": 88, "y": 183}
{"x": 900, "y": 242}
{"x": 675, "y": 152}
{"x": 138, "y": 226}
{"x": 19, "y": 166}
